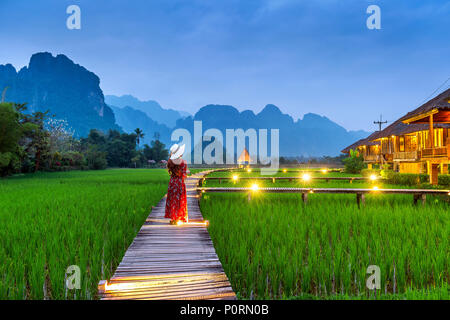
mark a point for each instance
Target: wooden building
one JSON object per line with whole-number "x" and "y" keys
{"x": 368, "y": 148}
{"x": 419, "y": 142}
{"x": 436, "y": 147}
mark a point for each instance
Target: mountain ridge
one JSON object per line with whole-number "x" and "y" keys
{"x": 311, "y": 136}
{"x": 73, "y": 93}
{"x": 152, "y": 108}
{"x": 56, "y": 83}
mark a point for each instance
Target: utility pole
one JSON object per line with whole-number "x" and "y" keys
{"x": 380, "y": 122}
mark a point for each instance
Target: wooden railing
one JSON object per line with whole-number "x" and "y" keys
{"x": 389, "y": 157}
{"x": 410, "y": 155}
{"x": 372, "y": 157}
{"x": 434, "y": 152}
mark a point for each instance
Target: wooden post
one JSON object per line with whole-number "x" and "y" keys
{"x": 415, "y": 198}
{"x": 273, "y": 180}
{"x": 431, "y": 132}
{"x": 360, "y": 199}
{"x": 434, "y": 173}
{"x": 101, "y": 286}
{"x": 305, "y": 197}
{"x": 249, "y": 196}
{"x": 350, "y": 180}
{"x": 220, "y": 181}
{"x": 424, "y": 198}
{"x": 421, "y": 196}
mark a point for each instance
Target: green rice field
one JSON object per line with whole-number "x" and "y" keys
{"x": 50, "y": 221}
{"x": 276, "y": 247}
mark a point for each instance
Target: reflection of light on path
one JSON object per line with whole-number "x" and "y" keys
{"x": 193, "y": 223}
{"x": 163, "y": 283}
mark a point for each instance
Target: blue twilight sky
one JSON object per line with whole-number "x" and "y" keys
{"x": 301, "y": 55}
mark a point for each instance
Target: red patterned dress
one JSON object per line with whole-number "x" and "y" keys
{"x": 176, "y": 203}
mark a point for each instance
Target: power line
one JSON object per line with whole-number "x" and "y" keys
{"x": 443, "y": 84}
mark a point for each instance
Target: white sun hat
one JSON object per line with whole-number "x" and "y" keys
{"x": 176, "y": 151}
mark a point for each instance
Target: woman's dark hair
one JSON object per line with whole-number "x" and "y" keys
{"x": 174, "y": 170}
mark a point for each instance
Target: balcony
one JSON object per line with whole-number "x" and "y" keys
{"x": 406, "y": 156}
{"x": 372, "y": 158}
{"x": 440, "y": 152}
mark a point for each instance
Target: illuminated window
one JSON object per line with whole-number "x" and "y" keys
{"x": 423, "y": 135}
{"x": 394, "y": 149}
{"x": 413, "y": 143}
{"x": 438, "y": 137}
{"x": 402, "y": 144}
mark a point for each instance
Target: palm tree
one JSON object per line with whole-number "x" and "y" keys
{"x": 4, "y": 94}
{"x": 139, "y": 135}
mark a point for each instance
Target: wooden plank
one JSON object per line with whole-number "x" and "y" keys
{"x": 170, "y": 262}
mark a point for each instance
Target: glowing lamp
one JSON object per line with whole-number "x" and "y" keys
{"x": 255, "y": 187}
{"x": 235, "y": 178}
{"x": 105, "y": 285}
{"x": 284, "y": 170}
{"x": 249, "y": 170}
{"x": 179, "y": 223}
{"x": 375, "y": 188}
{"x": 206, "y": 222}
{"x": 373, "y": 177}
{"x": 324, "y": 170}
{"x": 306, "y": 177}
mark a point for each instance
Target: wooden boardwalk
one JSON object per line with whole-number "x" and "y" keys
{"x": 167, "y": 262}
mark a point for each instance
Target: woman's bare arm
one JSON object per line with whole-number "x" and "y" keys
{"x": 187, "y": 169}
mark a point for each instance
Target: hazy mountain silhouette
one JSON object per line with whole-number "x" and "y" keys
{"x": 150, "y": 107}
{"x": 314, "y": 135}
{"x": 57, "y": 84}
{"x": 130, "y": 119}
{"x": 73, "y": 93}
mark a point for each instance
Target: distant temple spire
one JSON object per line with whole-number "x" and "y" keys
{"x": 244, "y": 158}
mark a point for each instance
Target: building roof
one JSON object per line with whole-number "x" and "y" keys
{"x": 439, "y": 106}
{"x": 398, "y": 128}
{"x": 244, "y": 157}
{"x": 362, "y": 142}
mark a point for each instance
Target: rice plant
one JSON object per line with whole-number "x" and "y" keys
{"x": 276, "y": 247}
{"x": 50, "y": 221}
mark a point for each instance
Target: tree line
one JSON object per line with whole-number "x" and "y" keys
{"x": 36, "y": 141}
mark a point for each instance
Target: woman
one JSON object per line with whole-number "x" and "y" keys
{"x": 176, "y": 204}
